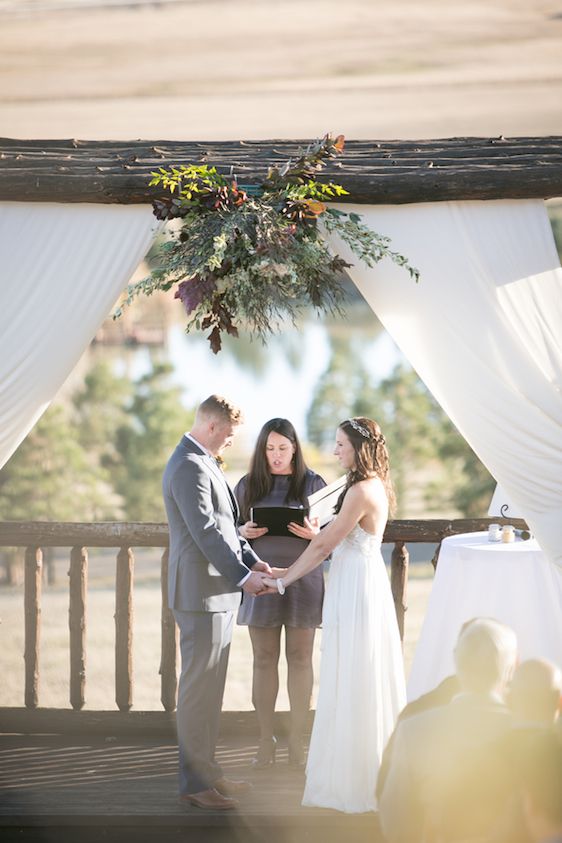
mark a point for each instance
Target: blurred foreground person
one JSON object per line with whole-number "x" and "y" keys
{"x": 534, "y": 695}
{"x": 427, "y": 794}
{"x": 534, "y": 701}
{"x": 541, "y": 788}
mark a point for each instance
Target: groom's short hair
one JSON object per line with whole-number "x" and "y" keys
{"x": 222, "y": 408}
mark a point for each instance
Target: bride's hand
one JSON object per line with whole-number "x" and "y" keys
{"x": 277, "y": 573}
{"x": 270, "y": 583}
{"x": 250, "y": 530}
{"x": 307, "y": 531}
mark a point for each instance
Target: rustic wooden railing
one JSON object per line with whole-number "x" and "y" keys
{"x": 34, "y": 536}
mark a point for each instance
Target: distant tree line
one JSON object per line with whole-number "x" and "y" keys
{"x": 99, "y": 457}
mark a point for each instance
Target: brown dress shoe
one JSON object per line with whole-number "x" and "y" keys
{"x": 209, "y": 799}
{"x": 230, "y": 787}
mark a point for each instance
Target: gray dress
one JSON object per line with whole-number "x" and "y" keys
{"x": 301, "y": 605}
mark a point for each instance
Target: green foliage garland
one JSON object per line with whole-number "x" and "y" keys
{"x": 255, "y": 254}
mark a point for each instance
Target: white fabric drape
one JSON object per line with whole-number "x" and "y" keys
{"x": 483, "y": 329}
{"x": 62, "y": 268}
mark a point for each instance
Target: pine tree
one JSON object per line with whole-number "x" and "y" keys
{"x": 155, "y": 423}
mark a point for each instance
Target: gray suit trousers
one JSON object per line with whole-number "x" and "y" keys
{"x": 205, "y": 646}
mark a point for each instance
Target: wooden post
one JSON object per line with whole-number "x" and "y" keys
{"x": 168, "y": 673}
{"x": 32, "y": 608}
{"x": 435, "y": 556}
{"x": 124, "y": 629}
{"x": 78, "y": 574}
{"x": 398, "y": 582}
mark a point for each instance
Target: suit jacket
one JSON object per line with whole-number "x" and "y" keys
{"x": 443, "y": 782}
{"x": 207, "y": 555}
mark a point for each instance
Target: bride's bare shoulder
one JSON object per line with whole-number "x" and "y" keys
{"x": 370, "y": 486}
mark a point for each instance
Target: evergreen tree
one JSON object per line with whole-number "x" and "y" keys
{"x": 155, "y": 423}
{"x": 409, "y": 418}
{"x": 49, "y": 477}
{"x": 335, "y": 393}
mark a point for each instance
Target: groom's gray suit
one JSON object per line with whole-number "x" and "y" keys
{"x": 208, "y": 558}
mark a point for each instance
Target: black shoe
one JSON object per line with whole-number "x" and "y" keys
{"x": 265, "y": 756}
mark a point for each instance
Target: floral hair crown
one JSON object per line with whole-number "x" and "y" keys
{"x": 365, "y": 432}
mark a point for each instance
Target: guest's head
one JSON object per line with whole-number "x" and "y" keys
{"x": 216, "y": 422}
{"x": 485, "y": 656}
{"x": 277, "y": 452}
{"x": 362, "y": 452}
{"x": 534, "y": 694}
{"x": 540, "y": 777}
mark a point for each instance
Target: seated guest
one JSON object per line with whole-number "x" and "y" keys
{"x": 441, "y": 695}
{"x": 426, "y": 795}
{"x": 534, "y": 695}
{"x": 533, "y": 699}
{"x": 541, "y": 788}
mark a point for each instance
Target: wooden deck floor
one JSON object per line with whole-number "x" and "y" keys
{"x": 65, "y": 788}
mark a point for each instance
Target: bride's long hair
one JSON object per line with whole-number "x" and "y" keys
{"x": 371, "y": 457}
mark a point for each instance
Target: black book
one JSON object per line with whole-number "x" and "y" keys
{"x": 276, "y": 518}
{"x": 321, "y": 506}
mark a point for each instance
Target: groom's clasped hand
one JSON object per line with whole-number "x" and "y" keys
{"x": 256, "y": 584}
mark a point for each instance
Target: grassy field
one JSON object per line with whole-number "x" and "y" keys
{"x": 54, "y": 654}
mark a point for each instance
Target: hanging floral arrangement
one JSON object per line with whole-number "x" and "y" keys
{"x": 250, "y": 256}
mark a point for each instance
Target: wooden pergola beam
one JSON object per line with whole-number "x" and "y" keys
{"x": 374, "y": 172}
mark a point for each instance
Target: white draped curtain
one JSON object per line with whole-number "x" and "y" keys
{"x": 62, "y": 268}
{"x": 483, "y": 329}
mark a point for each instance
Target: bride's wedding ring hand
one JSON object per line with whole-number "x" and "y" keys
{"x": 307, "y": 531}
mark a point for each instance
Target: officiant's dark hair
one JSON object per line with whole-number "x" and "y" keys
{"x": 259, "y": 480}
{"x": 371, "y": 457}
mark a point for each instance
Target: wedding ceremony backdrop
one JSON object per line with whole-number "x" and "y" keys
{"x": 482, "y": 327}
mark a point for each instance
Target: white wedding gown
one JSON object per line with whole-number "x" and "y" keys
{"x": 362, "y": 686}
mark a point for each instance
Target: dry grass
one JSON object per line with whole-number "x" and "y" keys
{"x": 249, "y": 69}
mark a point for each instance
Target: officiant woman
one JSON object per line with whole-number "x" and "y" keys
{"x": 278, "y": 476}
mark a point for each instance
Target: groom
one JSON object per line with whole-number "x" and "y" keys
{"x": 209, "y": 564}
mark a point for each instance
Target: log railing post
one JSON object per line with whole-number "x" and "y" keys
{"x": 124, "y": 629}
{"x": 78, "y": 576}
{"x": 32, "y": 608}
{"x": 399, "y": 581}
{"x": 168, "y": 672}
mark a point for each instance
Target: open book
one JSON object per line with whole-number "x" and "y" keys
{"x": 320, "y": 505}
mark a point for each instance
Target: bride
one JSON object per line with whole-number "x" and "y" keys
{"x": 361, "y": 675}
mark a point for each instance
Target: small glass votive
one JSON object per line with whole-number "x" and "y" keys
{"x": 508, "y": 534}
{"x": 494, "y": 533}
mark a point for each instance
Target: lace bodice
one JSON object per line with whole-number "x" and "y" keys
{"x": 361, "y": 540}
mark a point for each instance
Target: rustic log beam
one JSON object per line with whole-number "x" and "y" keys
{"x": 78, "y": 589}
{"x": 168, "y": 672}
{"x": 375, "y": 172}
{"x": 124, "y": 629}
{"x": 399, "y": 582}
{"x": 32, "y": 610}
{"x": 130, "y": 534}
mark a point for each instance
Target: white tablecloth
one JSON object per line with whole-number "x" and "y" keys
{"x": 513, "y": 583}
